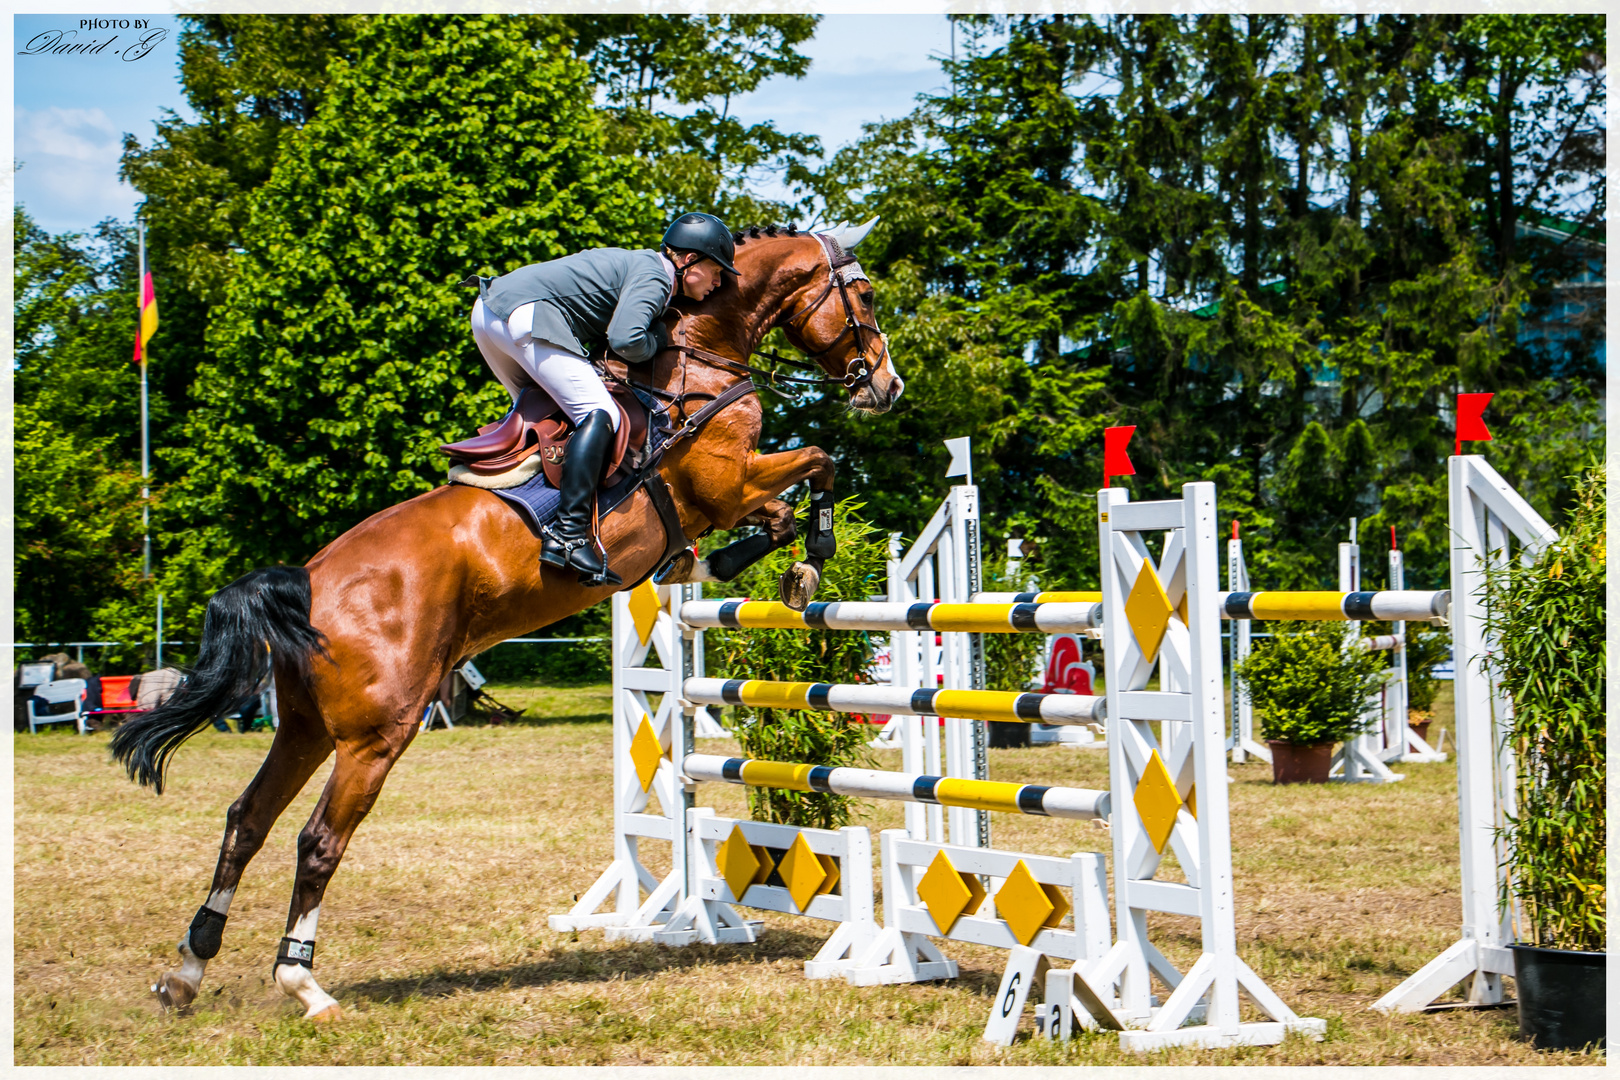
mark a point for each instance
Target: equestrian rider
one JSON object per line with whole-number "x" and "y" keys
{"x": 537, "y": 325}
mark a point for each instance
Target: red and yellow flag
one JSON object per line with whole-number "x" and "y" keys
{"x": 148, "y": 307}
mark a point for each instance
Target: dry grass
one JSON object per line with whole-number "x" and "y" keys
{"x": 434, "y": 931}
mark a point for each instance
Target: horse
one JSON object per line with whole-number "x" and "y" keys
{"x": 359, "y": 638}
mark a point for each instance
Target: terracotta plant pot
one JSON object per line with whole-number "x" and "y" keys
{"x": 1419, "y": 727}
{"x": 1292, "y": 763}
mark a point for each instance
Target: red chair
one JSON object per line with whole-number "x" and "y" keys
{"x": 116, "y": 701}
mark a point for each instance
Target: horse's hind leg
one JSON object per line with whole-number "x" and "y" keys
{"x": 300, "y": 745}
{"x": 349, "y": 795}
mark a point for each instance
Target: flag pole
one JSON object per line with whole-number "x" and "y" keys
{"x": 146, "y": 468}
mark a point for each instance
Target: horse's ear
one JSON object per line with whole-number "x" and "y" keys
{"x": 850, "y": 235}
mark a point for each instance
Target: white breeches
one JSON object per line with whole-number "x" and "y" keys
{"x": 518, "y": 360}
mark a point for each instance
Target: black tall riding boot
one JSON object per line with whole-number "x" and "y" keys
{"x": 571, "y": 539}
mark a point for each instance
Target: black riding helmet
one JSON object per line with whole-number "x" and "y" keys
{"x": 705, "y": 234}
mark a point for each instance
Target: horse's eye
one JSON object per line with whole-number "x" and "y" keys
{"x": 866, "y": 300}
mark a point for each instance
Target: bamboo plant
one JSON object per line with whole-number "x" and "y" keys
{"x": 1547, "y": 618}
{"x": 855, "y": 573}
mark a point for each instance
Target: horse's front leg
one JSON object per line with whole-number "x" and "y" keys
{"x": 764, "y": 478}
{"x": 775, "y": 518}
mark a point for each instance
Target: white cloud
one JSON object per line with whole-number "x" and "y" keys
{"x": 69, "y": 174}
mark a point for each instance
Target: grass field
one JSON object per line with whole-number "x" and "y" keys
{"x": 433, "y": 934}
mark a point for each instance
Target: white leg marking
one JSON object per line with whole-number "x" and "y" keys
{"x": 192, "y": 966}
{"x": 304, "y": 928}
{"x": 701, "y": 572}
{"x": 297, "y": 981}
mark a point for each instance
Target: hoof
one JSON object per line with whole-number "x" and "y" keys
{"x": 679, "y": 570}
{"x": 799, "y": 584}
{"x": 173, "y": 992}
{"x": 329, "y": 1015}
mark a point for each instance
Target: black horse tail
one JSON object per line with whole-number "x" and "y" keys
{"x": 258, "y": 616}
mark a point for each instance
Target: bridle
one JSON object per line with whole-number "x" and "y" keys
{"x": 842, "y": 271}
{"x": 858, "y": 372}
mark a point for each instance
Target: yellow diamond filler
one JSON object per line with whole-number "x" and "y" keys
{"x": 1148, "y": 611}
{"x": 738, "y": 862}
{"x": 644, "y": 605}
{"x": 1023, "y": 905}
{"x": 1181, "y": 609}
{"x": 1157, "y": 801}
{"x": 1192, "y": 801}
{"x": 802, "y": 873}
{"x": 645, "y": 753}
{"x": 829, "y": 866}
{"x": 766, "y": 865}
{"x": 1060, "y": 904}
{"x": 947, "y": 893}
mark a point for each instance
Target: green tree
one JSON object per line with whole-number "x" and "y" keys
{"x": 669, "y": 80}
{"x": 1262, "y": 240}
{"x": 342, "y": 358}
{"x": 77, "y": 431}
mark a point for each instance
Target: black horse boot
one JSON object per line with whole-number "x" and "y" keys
{"x": 570, "y": 540}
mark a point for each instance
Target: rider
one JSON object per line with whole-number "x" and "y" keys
{"x": 537, "y": 325}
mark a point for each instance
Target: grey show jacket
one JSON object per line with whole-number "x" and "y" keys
{"x": 605, "y": 296}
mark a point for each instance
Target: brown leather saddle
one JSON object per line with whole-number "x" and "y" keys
{"x": 536, "y": 424}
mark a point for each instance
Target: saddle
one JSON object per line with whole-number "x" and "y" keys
{"x": 536, "y": 424}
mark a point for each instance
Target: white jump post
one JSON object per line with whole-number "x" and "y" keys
{"x": 1169, "y": 793}
{"x": 1487, "y": 519}
{"x": 651, "y": 654}
{"x": 1401, "y": 743}
{"x": 1359, "y": 759}
{"x": 943, "y": 564}
{"x": 1241, "y": 742}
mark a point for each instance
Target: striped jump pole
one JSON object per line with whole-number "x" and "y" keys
{"x": 1059, "y": 597}
{"x": 1021, "y": 618}
{"x": 1381, "y": 642}
{"x": 994, "y": 705}
{"x": 1077, "y": 804}
{"x": 1387, "y": 606}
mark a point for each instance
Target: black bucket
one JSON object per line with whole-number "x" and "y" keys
{"x": 1560, "y": 997}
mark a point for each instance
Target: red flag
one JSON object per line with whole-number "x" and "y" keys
{"x": 1115, "y": 461}
{"x": 147, "y": 306}
{"x": 1471, "y": 419}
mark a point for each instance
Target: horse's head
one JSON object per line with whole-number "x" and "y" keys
{"x": 833, "y": 320}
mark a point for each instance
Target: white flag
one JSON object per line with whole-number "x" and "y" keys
{"x": 961, "y": 458}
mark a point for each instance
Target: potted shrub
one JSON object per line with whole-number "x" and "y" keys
{"x": 1427, "y": 646}
{"x": 1548, "y": 620}
{"x": 1308, "y": 691}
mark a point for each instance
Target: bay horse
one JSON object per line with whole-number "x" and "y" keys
{"x": 359, "y": 639}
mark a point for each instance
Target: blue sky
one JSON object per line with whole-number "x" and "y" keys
{"x": 71, "y": 111}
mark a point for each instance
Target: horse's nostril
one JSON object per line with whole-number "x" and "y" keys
{"x": 897, "y": 388}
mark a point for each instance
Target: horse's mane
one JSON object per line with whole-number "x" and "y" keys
{"x": 754, "y": 232}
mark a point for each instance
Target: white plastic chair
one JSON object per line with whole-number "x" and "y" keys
{"x": 61, "y": 690}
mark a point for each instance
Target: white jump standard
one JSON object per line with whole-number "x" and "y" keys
{"x": 1167, "y": 768}
{"x": 999, "y": 706}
